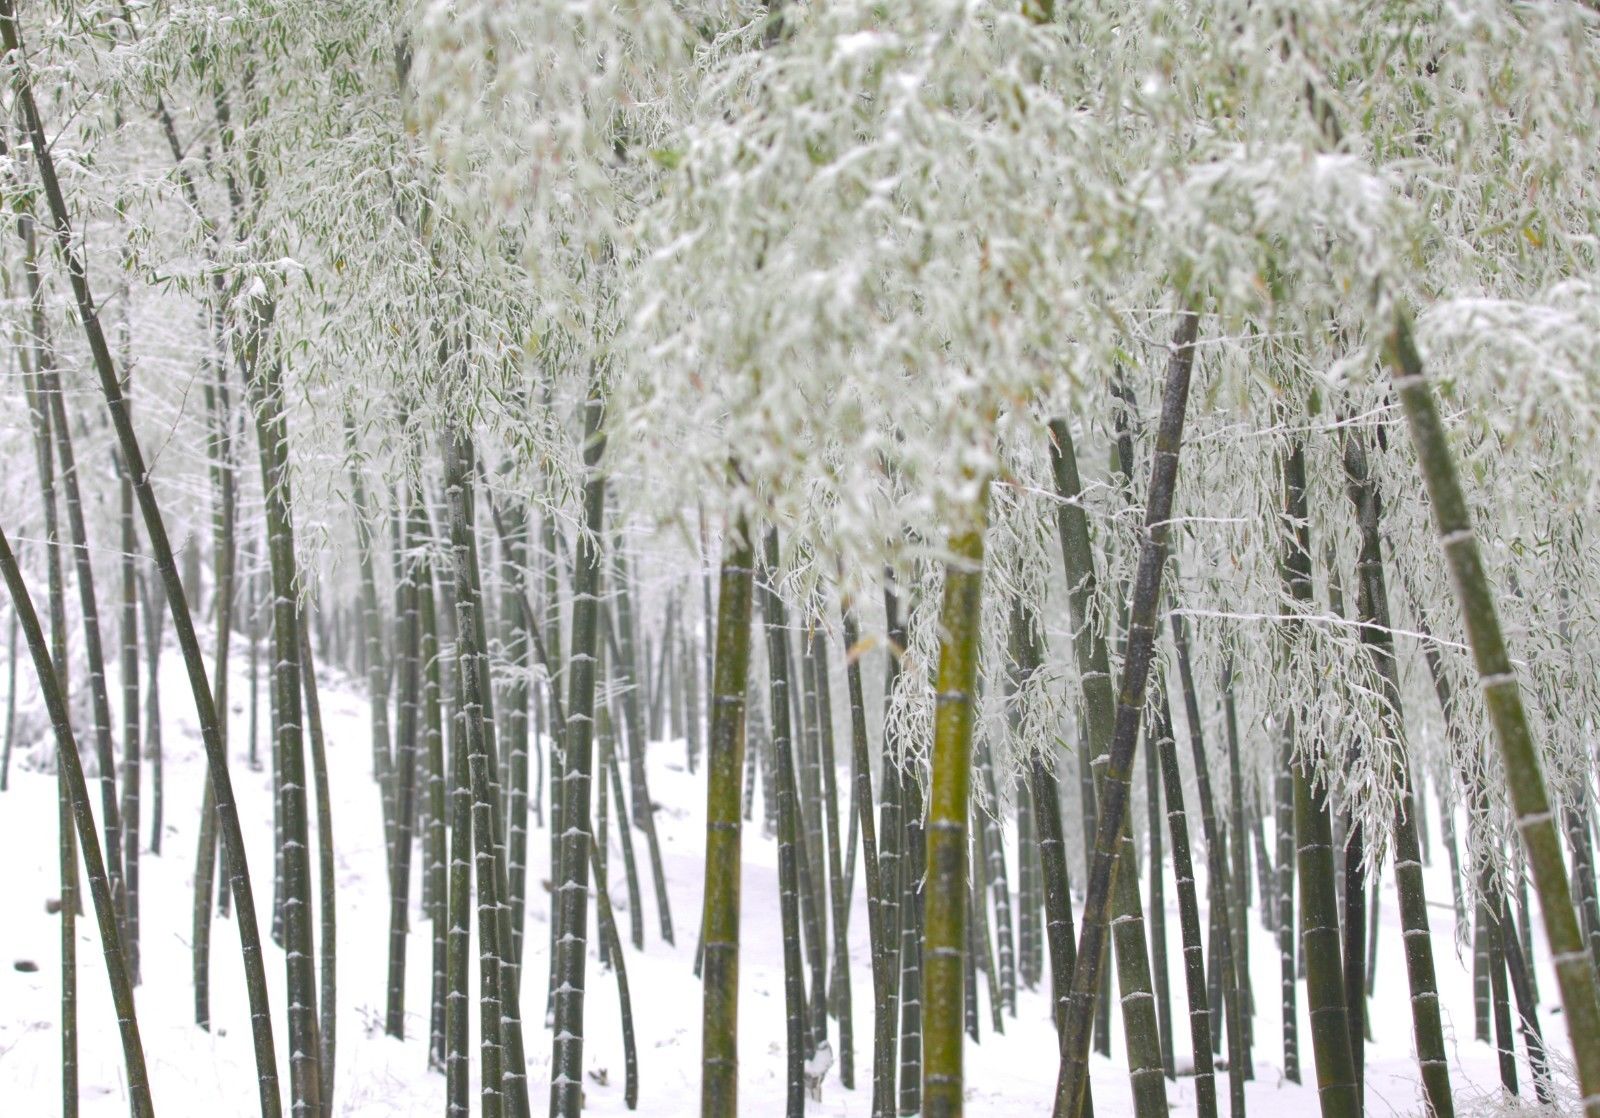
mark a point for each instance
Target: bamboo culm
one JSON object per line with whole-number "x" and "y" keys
{"x": 1113, "y": 801}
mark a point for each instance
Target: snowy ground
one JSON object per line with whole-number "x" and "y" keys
{"x": 198, "y": 1073}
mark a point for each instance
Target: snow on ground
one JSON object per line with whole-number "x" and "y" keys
{"x": 212, "y": 1074}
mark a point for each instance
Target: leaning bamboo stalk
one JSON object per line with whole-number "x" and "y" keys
{"x": 1530, "y": 800}
{"x": 83, "y": 817}
{"x": 1113, "y": 801}
{"x": 1140, "y": 1026}
{"x": 1194, "y": 967}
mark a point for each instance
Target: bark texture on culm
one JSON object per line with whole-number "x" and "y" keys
{"x": 719, "y": 1071}
{"x": 945, "y": 915}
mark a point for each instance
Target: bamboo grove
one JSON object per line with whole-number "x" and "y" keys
{"x": 1098, "y": 496}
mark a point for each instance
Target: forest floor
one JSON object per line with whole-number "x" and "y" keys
{"x": 211, "y": 1074}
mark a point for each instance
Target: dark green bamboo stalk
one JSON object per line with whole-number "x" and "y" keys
{"x": 789, "y": 838}
{"x": 1238, "y": 943}
{"x": 1527, "y": 1011}
{"x": 1113, "y": 801}
{"x": 882, "y": 957}
{"x": 436, "y": 855}
{"x": 99, "y": 883}
{"x": 327, "y": 906}
{"x": 1223, "y": 983}
{"x": 1194, "y": 960}
{"x": 155, "y": 528}
{"x": 644, "y": 816}
{"x": 129, "y": 810}
{"x": 817, "y": 659}
{"x": 408, "y": 663}
{"x": 1140, "y": 1028}
{"x": 811, "y": 855}
{"x": 494, "y": 1019}
{"x": 1319, "y": 913}
{"x": 71, "y": 904}
{"x": 608, "y": 930}
{"x": 457, "y": 1061}
{"x": 61, "y": 437}
{"x": 1044, "y": 790}
{"x": 1284, "y": 825}
{"x": 630, "y": 867}
{"x": 1158, "y": 904}
{"x": 266, "y": 392}
{"x": 991, "y": 842}
{"x": 1529, "y": 798}
{"x": 513, "y": 562}
{"x": 372, "y": 630}
{"x": 566, "y": 1082}
{"x": 891, "y": 838}
{"x": 1378, "y": 638}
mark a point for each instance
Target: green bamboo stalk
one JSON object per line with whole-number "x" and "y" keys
{"x": 1113, "y": 801}
{"x": 1158, "y": 905}
{"x": 644, "y": 816}
{"x": 328, "y": 887}
{"x": 566, "y": 1081}
{"x": 797, "y": 1036}
{"x": 457, "y": 1060}
{"x": 39, "y": 416}
{"x": 1529, "y": 799}
{"x": 608, "y": 931}
{"x": 1319, "y": 914}
{"x": 1045, "y": 791}
{"x": 817, "y": 659}
{"x": 266, "y": 391}
{"x": 408, "y": 730}
{"x": 719, "y": 1077}
{"x": 435, "y": 837}
{"x": 883, "y": 1005}
{"x": 494, "y": 1018}
{"x": 1378, "y": 637}
{"x": 61, "y": 437}
{"x": 1141, "y": 1030}
{"x": 949, "y": 792}
{"x": 1194, "y": 961}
